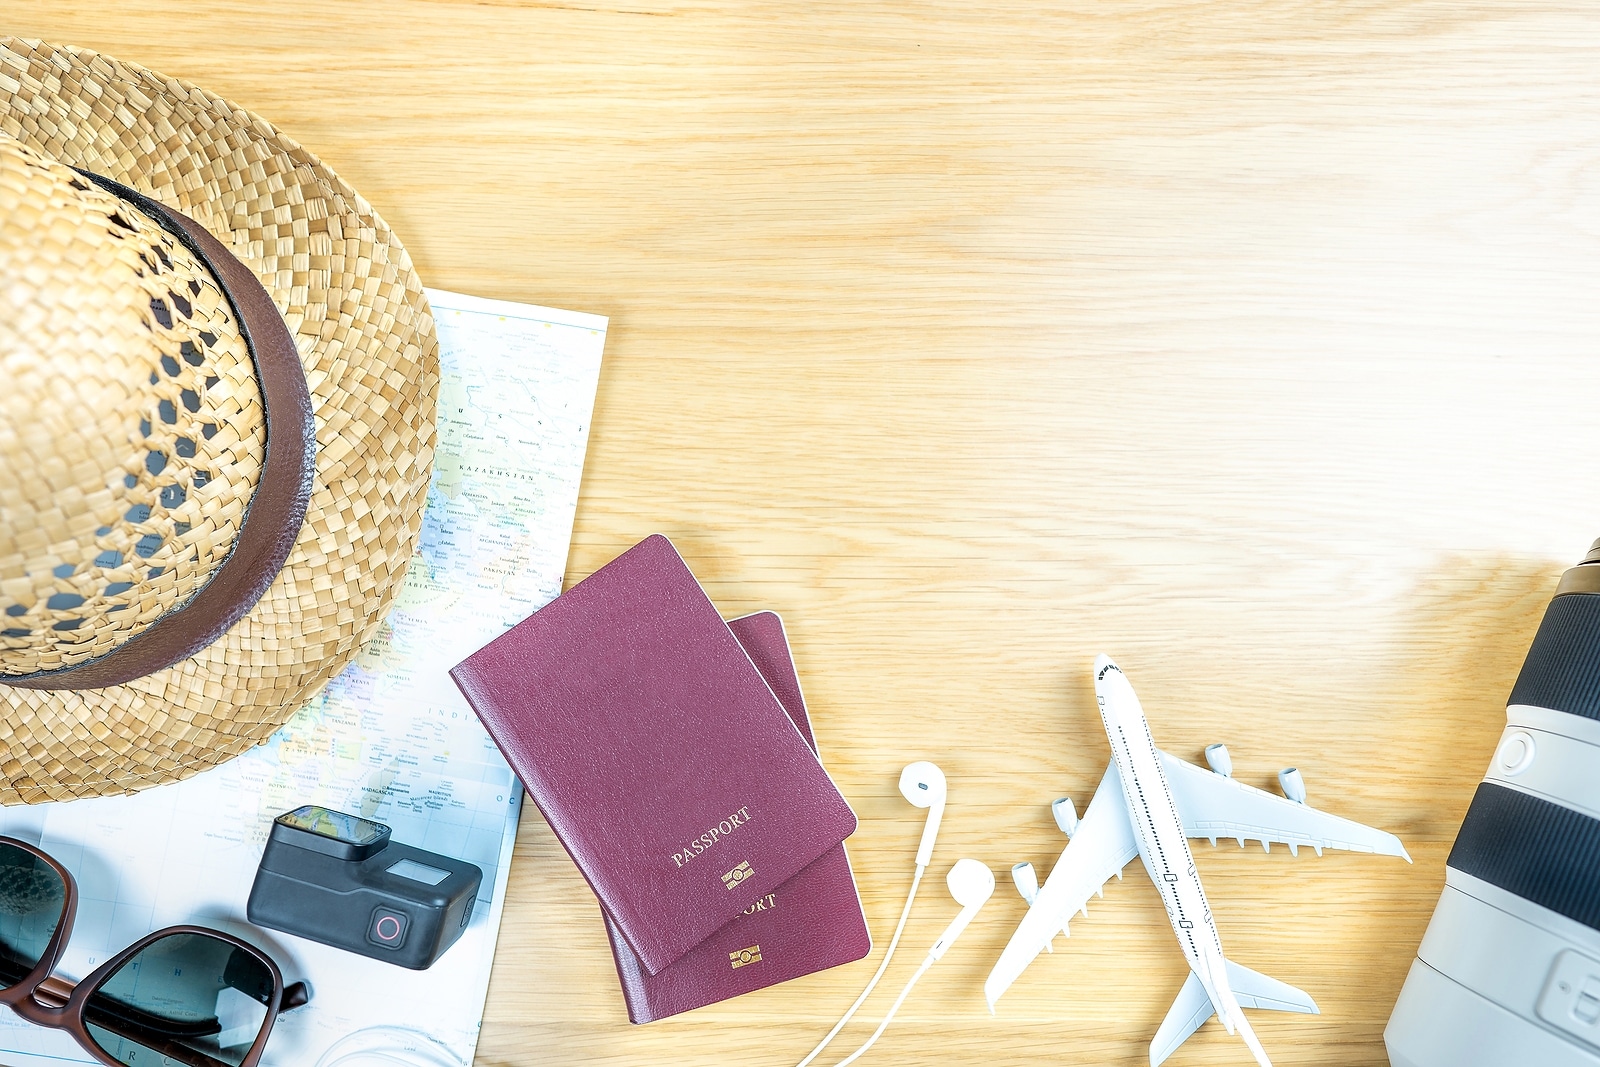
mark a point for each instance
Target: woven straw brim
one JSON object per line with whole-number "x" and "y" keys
{"x": 354, "y": 304}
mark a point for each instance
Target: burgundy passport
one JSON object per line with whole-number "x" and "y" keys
{"x": 809, "y": 923}
{"x": 663, "y": 762}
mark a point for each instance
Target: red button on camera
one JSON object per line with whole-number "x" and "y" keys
{"x": 388, "y": 928}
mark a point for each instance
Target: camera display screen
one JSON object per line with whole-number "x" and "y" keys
{"x": 419, "y": 872}
{"x": 334, "y": 824}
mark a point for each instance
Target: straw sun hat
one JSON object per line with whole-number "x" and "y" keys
{"x": 217, "y": 385}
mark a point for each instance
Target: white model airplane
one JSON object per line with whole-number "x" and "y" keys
{"x": 1148, "y": 805}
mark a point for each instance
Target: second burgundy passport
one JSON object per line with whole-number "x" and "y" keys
{"x": 809, "y": 923}
{"x": 655, "y": 750}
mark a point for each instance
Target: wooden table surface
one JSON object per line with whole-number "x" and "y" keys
{"x": 1254, "y": 344}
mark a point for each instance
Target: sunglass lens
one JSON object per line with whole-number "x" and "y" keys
{"x": 182, "y": 995}
{"x": 32, "y": 900}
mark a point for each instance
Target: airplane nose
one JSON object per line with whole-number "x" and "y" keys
{"x": 1101, "y": 662}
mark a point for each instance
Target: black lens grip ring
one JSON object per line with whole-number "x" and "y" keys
{"x": 1543, "y": 852}
{"x": 1562, "y": 671}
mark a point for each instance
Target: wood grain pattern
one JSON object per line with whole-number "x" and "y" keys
{"x": 1254, "y": 344}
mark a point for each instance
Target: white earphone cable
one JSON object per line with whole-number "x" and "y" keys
{"x": 892, "y": 1009}
{"x": 893, "y": 941}
{"x": 391, "y": 1046}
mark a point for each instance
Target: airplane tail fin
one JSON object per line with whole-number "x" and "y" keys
{"x": 1187, "y": 1014}
{"x": 1256, "y": 990}
{"x": 1193, "y": 1007}
{"x": 1251, "y": 1041}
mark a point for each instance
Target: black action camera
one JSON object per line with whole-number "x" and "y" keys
{"x": 338, "y": 879}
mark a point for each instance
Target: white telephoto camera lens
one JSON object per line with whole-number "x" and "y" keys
{"x": 1508, "y": 973}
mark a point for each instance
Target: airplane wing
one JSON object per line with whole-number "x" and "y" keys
{"x": 1102, "y": 845}
{"x": 1213, "y": 806}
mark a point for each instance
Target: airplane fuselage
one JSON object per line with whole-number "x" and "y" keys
{"x": 1158, "y": 830}
{"x": 1149, "y": 804}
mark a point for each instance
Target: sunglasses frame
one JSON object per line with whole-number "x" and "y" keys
{"x": 59, "y": 1005}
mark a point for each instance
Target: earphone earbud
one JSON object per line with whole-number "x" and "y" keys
{"x": 972, "y": 884}
{"x": 922, "y": 783}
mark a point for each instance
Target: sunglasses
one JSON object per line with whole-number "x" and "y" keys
{"x": 185, "y": 996}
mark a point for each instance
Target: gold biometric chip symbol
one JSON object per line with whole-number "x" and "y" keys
{"x": 738, "y": 874}
{"x": 745, "y": 956}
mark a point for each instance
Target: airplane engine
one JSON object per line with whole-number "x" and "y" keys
{"x": 1027, "y": 881}
{"x": 1066, "y": 815}
{"x": 1292, "y": 784}
{"x": 1217, "y": 756}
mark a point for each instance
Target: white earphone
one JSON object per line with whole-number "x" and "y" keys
{"x": 921, "y": 783}
{"x": 972, "y": 884}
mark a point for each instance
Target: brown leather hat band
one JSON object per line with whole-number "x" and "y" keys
{"x": 278, "y": 506}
